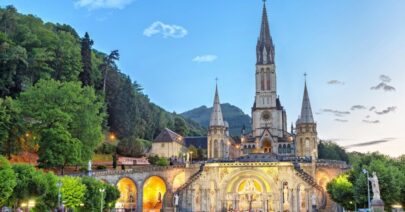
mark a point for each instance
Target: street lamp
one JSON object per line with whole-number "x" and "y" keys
{"x": 59, "y": 185}
{"x": 191, "y": 156}
{"x": 368, "y": 188}
{"x": 102, "y": 190}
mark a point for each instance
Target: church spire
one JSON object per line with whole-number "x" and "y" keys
{"x": 265, "y": 47}
{"x": 216, "y": 115}
{"x": 306, "y": 111}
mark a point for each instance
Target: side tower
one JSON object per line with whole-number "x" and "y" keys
{"x": 217, "y": 137}
{"x": 306, "y": 133}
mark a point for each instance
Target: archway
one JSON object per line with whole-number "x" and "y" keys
{"x": 266, "y": 145}
{"x": 248, "y": 190}
{"x": 154, "y": 190}
{"x": 128, "y": 194}
{"x": 179, "y": 180}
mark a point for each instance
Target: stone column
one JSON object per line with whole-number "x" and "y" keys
{"x": 139, "y": 196}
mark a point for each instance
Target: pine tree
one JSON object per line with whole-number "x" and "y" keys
{"x": 85, "y": 75}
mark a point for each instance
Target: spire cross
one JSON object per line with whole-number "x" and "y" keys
{"x": 216, "y": 80}
{"x": 305, "y": 76}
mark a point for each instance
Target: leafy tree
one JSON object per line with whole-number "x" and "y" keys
{"x": 58, "y": 149}
{"x": 180, "y": 126}
{"x": 332, "y": 151}
{"x": 112, "y": 194}
{"x": 85, "y": 75}
{"x": 341, "y": 191}
{"x": 49, "y": 199}
{"x": 68, "y": 108}
{"x": 7, "y": 180}
{"x": 73, "y": 191}
{"x": 131, "y": 147}
{"x": 11, "y": 128}
{"x": 92, "y": 197}
{"x": 30, "y": 183}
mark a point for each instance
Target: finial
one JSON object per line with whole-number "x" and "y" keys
{"x": 264, "y": 1}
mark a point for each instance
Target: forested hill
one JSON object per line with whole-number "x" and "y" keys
{"x": 31, "y": 50}
{"x": 236, "y": 118}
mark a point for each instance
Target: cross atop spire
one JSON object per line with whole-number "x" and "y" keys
{"x": 265, "y": 47}
{"x": 306, "y": 110}
{"x": 216, "y": 115}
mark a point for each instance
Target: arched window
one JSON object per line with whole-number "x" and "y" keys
{"x": 262, "y": 79}
{"x": 279, "y": 149}
{"x": 284, "y": 149}
{"x": 215, "y": 149}
{"x": 288, "y": 148}
{"x": 307, "y": 145}
{"x": 268, "y": 79}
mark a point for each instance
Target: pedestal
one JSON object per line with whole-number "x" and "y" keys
{"x": 377, "y": 205}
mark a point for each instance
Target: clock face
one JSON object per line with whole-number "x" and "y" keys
{"x": 266, "y": 115}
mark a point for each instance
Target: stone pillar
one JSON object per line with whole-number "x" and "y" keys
{"x": 139, "y": 196}
{"x": 377, "y": 205}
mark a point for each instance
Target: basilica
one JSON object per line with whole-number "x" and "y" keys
{"x": 271, "y": 168}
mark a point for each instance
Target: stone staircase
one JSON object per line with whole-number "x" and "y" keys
{"x": 310, "y": 180}
{"x": 192, "y": 179}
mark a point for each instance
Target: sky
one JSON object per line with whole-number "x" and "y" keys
{"x": 352, "y": 51}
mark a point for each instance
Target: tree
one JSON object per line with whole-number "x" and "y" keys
{"x": 67, "y": 108}
{"x": 30, "y": 183}
{"x": 130, "y": 147}
{"x": 112, "y": 194}
{"x": 7, "y": 180}
{"x": 332, "y": 151}
{"x": 108, "y": 63}
{"x": 11, "y": 129}
{"x": 85, "y": 75}
{"x": 92, "y": 196}
{"x": 58, "y": 149}
{"x": 341, "y": 191}
{"x": 73, "y": 191}
{"x": 180, "y": 126}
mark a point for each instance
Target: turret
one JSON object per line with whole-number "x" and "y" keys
{"x": 307, "y": 138}
{"x": 217, "y": 135}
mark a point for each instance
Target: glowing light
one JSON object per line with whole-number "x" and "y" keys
{"x": 112, "y": 136}
{"x": 128, "y": 193}
{"x": 154, "y": 190}
{"x": 179, "y": 180}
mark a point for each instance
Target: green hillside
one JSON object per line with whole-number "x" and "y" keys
{"x": 32, "y": 50}
{"x": 232, "y": 114}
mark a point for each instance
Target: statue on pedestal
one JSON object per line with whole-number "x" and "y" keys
{"x": 377, "y": 204}
{"x": 375, "y": 186}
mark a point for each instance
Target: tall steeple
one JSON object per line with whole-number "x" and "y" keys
{"x": 265, "y": 47}
{"x": 216, "y": 115}
{"x": 306, "y": 111}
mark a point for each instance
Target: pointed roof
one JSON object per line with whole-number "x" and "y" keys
{"x": 216, "y": 115}
{"x": 265, "y": 47}
{"x": 168, "y": 136}
{"x": 264, "y": 29}
{"x": 306, "y": 111}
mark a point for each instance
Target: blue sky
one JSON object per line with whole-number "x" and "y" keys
{"x": 347, "y": 43}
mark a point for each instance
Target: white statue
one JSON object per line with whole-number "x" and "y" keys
{"x": 313, "y": 199}
{"x": 250, "y": 186}
{"x": 285, "y": 193}
{"x": 89, "y": 166}
{"x": 176, "y": 200}
{"x": 375, "y": 186}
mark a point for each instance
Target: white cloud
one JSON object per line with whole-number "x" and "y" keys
{"x": 98, "y": 4}
{"x": 166, "y": 30}
{"x": 205, "y": 58}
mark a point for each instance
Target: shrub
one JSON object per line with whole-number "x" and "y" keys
{"x": 130, "y": 147}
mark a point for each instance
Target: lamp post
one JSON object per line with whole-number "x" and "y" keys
{"x": 191, "y": 157}
{"x": 102, "y": 190}
{"x": 368, "y": 188}
{"x": 59, "y": 185}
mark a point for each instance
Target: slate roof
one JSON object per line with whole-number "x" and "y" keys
{"x": 168, "y": 136}
{"x": 198, "y": 141}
